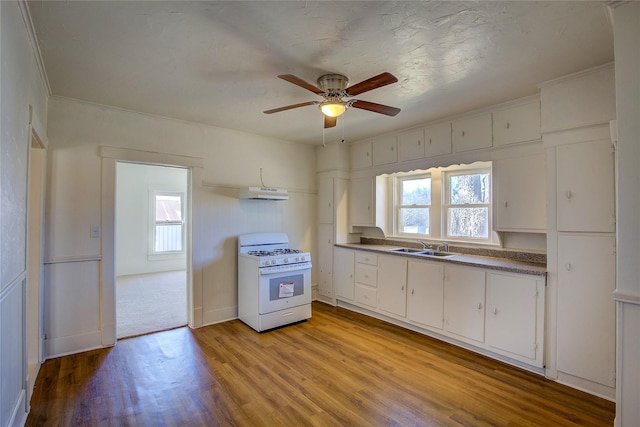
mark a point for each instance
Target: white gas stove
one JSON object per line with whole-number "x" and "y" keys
{"x": 274, "y": 281}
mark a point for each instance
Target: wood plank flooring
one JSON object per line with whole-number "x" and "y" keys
{"x": 337, "y": 369}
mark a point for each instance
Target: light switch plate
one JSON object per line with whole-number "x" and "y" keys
{"x": 95, "y": 231}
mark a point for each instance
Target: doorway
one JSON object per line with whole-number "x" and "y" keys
{"x": 151, "y": 212}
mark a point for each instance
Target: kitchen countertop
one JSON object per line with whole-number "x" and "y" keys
{"x": 491, "y": 263}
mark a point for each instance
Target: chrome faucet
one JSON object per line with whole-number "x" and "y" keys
{"x": 446, "y": 247}
{"x": 424, "y": 245}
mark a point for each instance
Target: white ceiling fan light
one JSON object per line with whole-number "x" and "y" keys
{"x": 334, "y": 86}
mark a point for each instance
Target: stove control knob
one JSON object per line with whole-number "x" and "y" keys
{"x": 297, "y": 258}
{"x": 286, "y": 260}
{"x": 273, "y": 261}
{"x": 302, "y": 258}
{"x": 265, "y": 262}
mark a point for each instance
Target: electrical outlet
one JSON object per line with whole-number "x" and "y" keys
{"x": 95, "y": 231}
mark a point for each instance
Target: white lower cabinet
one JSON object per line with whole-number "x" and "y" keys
{"x": 425, "y": 286}
{"x": 464, "y": 292}
{"x": 449, "y": 300}
{"x": 324, "y": 262}
{"x": 366, "y": 286}
{"x": 515, "y": 316}
{"x": 392, "y": 285}
{"x": 586, "y": 309}
{"x": 343, "y": 273}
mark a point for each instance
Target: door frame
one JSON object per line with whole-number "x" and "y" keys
{"x": 110, "y": 156}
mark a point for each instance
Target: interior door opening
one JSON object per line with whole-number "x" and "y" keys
{"x": 151, "y": 215}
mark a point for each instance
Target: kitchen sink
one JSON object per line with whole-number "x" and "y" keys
{"x": 422, "y": 252}
{"x": 407, "y": 250}
{"x": 436, "y": 253}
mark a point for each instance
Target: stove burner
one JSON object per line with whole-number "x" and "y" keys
{"x": 275, "y": 252}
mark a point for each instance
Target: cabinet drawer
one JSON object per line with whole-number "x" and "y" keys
{"x": 366, "y": 295}
{"x": 367, "y": 275}
{"x": 367, "y": 258}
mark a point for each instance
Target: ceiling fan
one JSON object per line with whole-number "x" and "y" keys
{"x": 333, "y": 88}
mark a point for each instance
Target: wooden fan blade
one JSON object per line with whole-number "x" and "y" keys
{"x": 289, "y": 107}
{"x": 372, "y": 83}
{"x": 299, "y": 82}
{"x": 330, "y": 122}
{"x": 376, "y": 108}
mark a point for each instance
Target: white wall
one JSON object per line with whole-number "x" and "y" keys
{"x": 134, "y": 187}
{"x": 21, "y": 86}
{"x": 230, "y": 159}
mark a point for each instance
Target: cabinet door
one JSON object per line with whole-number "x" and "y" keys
{"x": 325, "y": 260}
{"x": 437, "y": 139}
{"x": 392, "y": 284}
{"x": 385, "y": 150}
{"x": 361, "y": 201}
{"x": 411, "y": 145}
{"x": 586, "y": 309}
{"x": 513, "y": 304}
{"x": 425, "y": 284}
{"x": 472, "y": 133}
{"x": 464, "y": 291}
{"x": 521, "y": 194}
{"x": 517, "y": 124}
{"x": 585, "y": 187}
{"x": 343, "y": 273}
{"x": 361, "y": 155}
{"x": 325, "y": 201}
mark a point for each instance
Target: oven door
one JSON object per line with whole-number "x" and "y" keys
{"x": 280, "y": 290}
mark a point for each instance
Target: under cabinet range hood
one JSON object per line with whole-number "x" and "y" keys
{"x": 264, "y": 193}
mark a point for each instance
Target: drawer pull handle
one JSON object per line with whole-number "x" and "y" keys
{"x": 479, "y": 306}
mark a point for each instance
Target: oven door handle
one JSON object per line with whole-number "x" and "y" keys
{"x": 284, "y": 269}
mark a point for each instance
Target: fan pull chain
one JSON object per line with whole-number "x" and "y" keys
{"x": 323, "y": 143}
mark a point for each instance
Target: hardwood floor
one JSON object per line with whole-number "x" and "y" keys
{"x": 339, "y": 368}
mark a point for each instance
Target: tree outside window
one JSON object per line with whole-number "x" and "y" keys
{"x": 468, "y": 204}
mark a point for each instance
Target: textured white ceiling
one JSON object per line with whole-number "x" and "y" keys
{"x": 216, "y": 62}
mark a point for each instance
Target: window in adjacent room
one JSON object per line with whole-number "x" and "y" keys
{"x": 168, "y": 230}
{"x": 467, "y": 204}
{"x": 413, "y": 204}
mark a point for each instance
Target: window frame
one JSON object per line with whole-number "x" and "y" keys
{"x": 398, "y": 180}
{"x": 446, "y": 201}
{"x": 153, "y": 223}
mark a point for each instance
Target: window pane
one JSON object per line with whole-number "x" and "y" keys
{"x": 416, "y": 191}
{"x": 414, "y": 220}
{"x": 471, "y": 189}
{"x": 168, "y": 208}
{"x": 468, "y": 222}
{"x": 168, "y": 237}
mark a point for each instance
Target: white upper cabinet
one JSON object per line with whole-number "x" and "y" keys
{"x": 325, "y": 201}
{"x": 517, "y": 124}
{"x": 361, "y": 156}
{"x": 411, "y": 145}
{"x": 521, "y": 194}
{"x": 585, "y": 187}
{"x": 385, "y": 150}
{"x": 472, "y": 133}
{"x": 437, "y": 139}
{"x": 362, "y": 201}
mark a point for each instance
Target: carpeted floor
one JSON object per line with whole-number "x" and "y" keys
{"x": 150, "y": 302}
